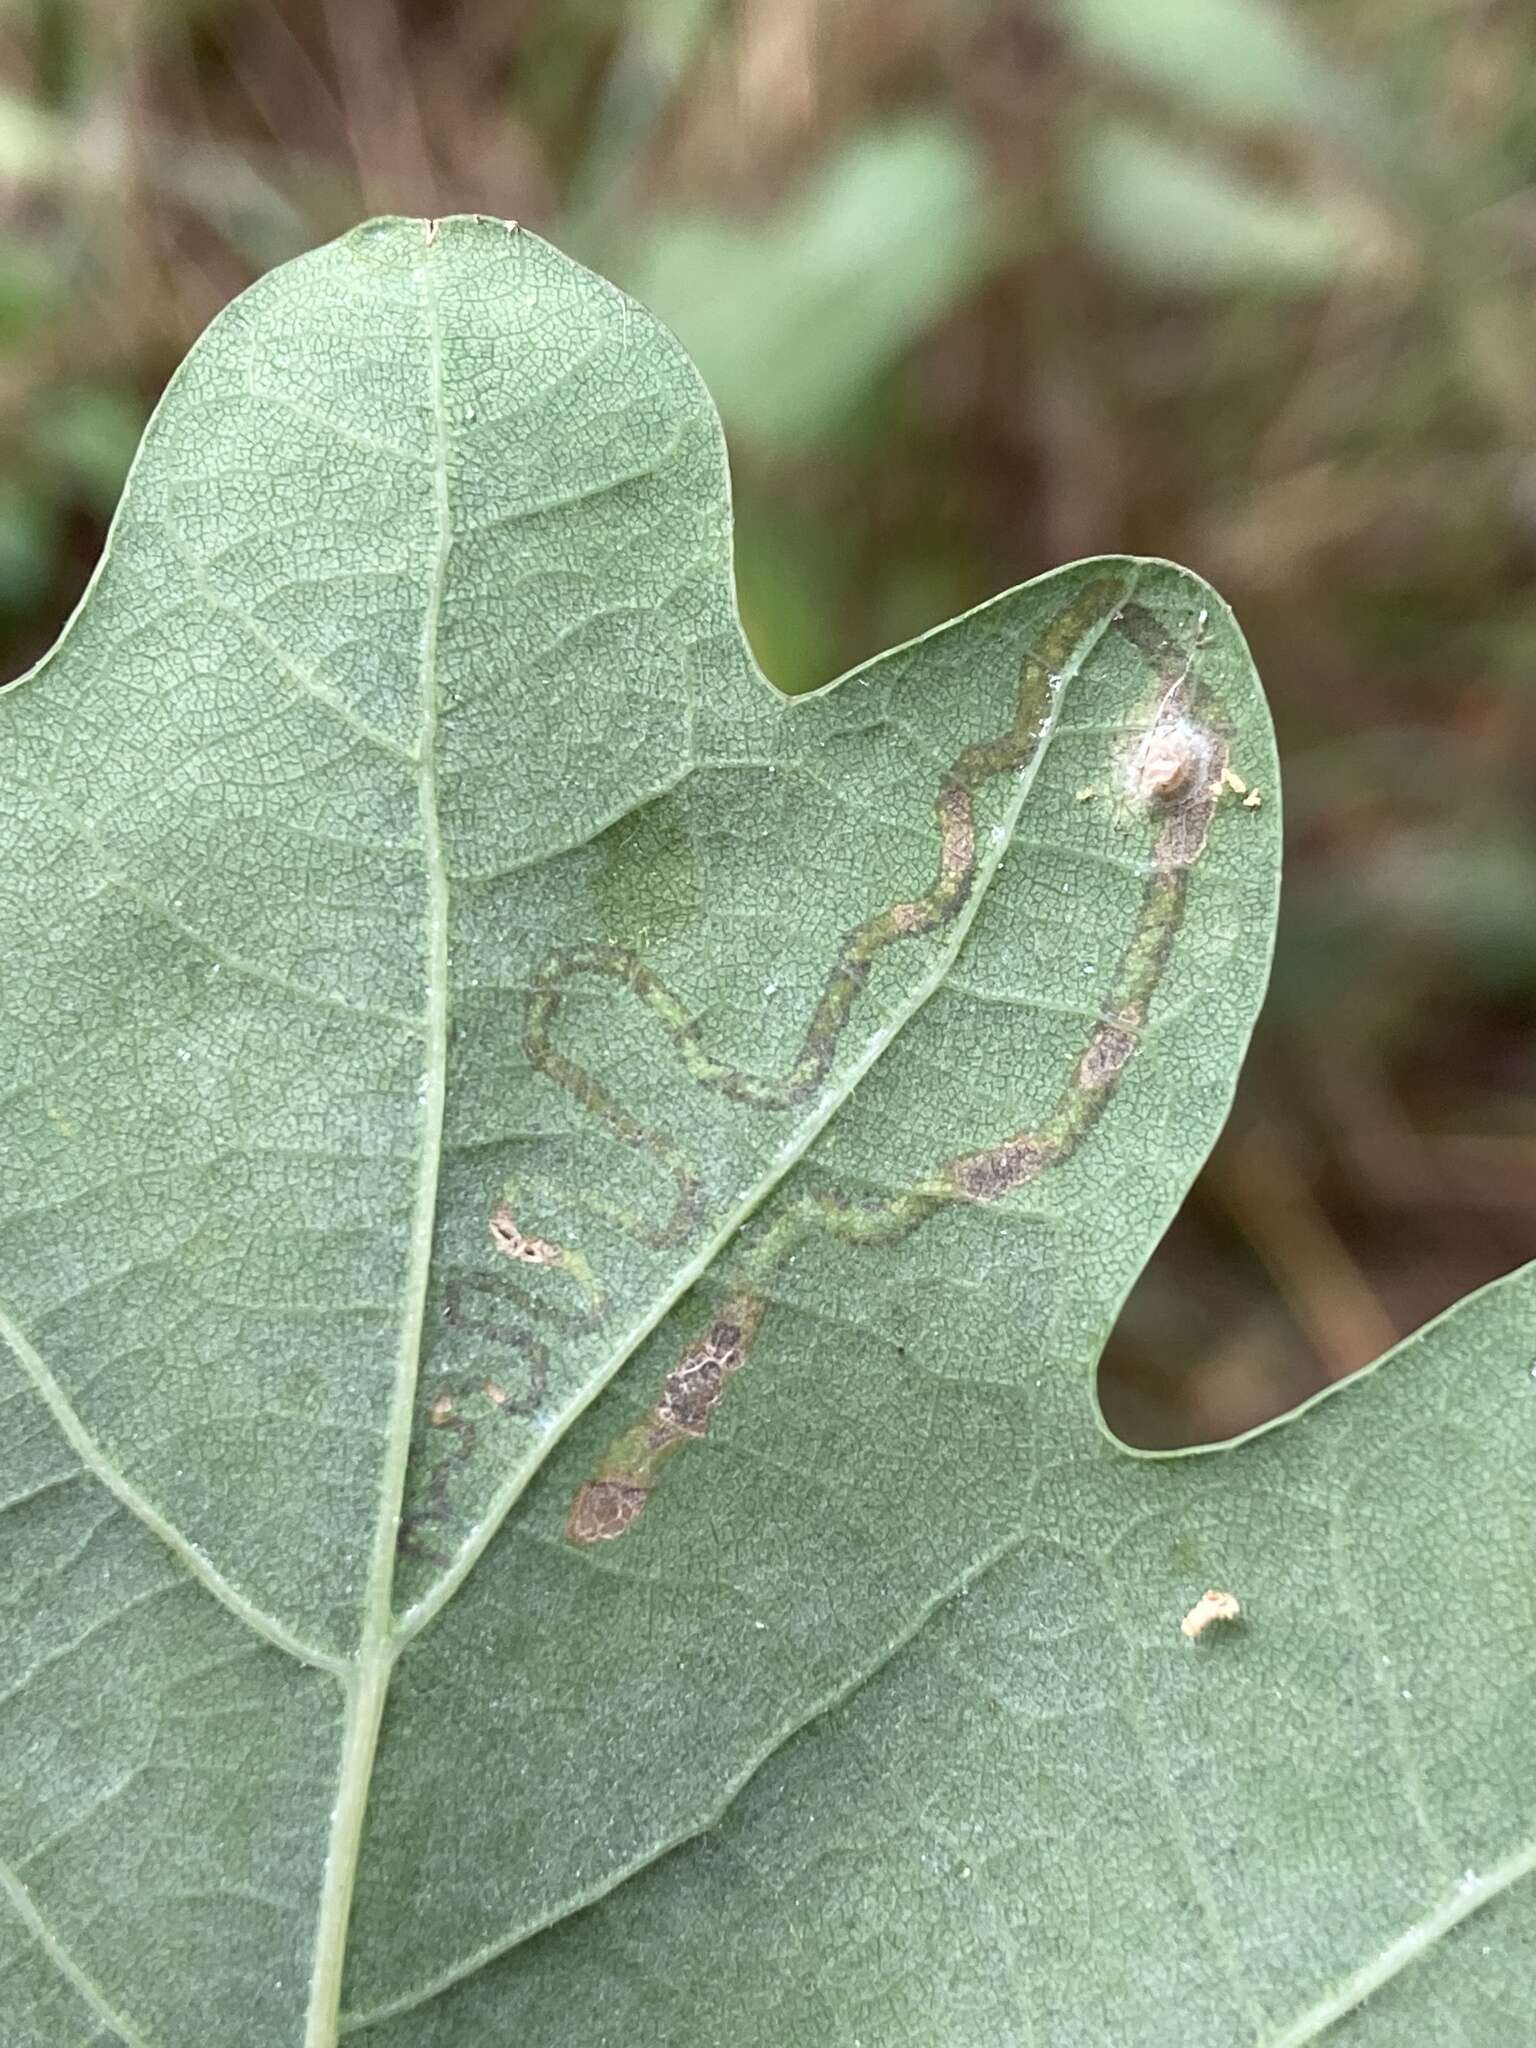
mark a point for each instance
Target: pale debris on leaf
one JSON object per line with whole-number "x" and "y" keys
{"x": 512, "y": 1244}
{"x": 1213, "y": 1605}
{"x": 1252, "y": 800}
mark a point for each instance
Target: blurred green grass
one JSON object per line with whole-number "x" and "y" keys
{"x": 980, "y": 286}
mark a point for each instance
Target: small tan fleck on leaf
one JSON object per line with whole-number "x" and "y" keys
{"x": 511, "y": 1243}
{"x": 1108, "y": 1050}
{"x": 1234, "y": 782}
{"x": 1252, "y": 800}
{"x": 1166, "y": 765}
{"x": 604, "y": 1509}
{"x": 497, "y": 1394}
{"x": 1175, "y": 759}
{"x": 1213, "y": 1605}
{"x": 1087, "y": 793}
{"x": 441, "y": 1410}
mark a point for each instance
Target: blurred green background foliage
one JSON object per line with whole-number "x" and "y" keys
{"x": 980, "y": 286}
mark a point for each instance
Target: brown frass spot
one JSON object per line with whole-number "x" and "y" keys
{"x": 604, "y": 1509}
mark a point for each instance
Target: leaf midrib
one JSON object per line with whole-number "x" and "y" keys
{"x": 367, "y": 1683}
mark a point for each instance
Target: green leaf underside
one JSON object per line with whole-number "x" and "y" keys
{"x": 442, "y": 979}
{"x": 1053, "y": 1818}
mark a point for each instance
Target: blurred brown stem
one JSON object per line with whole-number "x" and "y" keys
{"x": 394, "y": 169}
{"x": 1260, "y": 1182}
